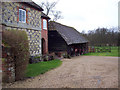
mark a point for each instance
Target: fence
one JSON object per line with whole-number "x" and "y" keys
{"x": 99, "y": 49}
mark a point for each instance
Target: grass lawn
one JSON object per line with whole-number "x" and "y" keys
{"x": 41, "y": 67}
{"x": 114, "y": 52}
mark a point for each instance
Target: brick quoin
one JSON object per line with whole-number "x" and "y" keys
{"x": 7, "y": 66}
{"x": 44, "y": 35}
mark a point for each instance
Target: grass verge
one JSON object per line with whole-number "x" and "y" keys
{"x": 41, "y": 67}
{"x": 114, "y": 52}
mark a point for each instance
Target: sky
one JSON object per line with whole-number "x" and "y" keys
{"x": 87, "y": 14}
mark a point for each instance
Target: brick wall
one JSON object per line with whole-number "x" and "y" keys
{"x": 8, "y": 67}
{"x": 44, "y": 35}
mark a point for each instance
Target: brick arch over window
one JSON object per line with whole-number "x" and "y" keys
{"x": 43, "y": 46}
{"x": 26, "y": 14}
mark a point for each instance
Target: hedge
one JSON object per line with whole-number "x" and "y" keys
{"x": 18, "y": 41}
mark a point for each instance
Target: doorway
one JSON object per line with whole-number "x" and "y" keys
{"x": 43, "y": 46}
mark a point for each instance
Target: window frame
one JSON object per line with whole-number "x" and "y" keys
{"x": 22, "y": 16}
{"x": 44, "y": 26}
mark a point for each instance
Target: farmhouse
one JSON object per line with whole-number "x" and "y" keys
{"x": 26, "y": 16}
{"x": 65, "y": 39}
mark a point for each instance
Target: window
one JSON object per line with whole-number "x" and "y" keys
{"x": 44, "y": 24}
{"x": 22, "y": 16}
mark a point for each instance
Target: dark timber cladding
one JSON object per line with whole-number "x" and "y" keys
{"x": 56, "y": 42}
{"x": 65, "y": 38}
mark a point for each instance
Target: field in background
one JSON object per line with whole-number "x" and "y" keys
{"x": 114, "y": 52}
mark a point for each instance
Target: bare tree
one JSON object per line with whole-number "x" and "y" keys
{"x": 49, "y": 8}
{"x": 103, "y": 36}
{"x": 56, "y": 15}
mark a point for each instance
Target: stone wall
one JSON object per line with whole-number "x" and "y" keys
{"x": 10, "y": 15}
{"x": 10, "y": 20}
{"x": 34, "y": 37}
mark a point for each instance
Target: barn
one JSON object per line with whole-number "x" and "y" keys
{"x": 63, "y": 39}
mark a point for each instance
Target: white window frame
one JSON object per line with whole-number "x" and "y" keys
{"x": 45, "y": 24}
{"x": 23, "y": 19}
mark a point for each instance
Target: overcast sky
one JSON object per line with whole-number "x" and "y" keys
{"x": 87, "y": 14}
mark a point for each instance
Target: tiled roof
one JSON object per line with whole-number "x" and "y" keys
{"x": 69, "y": 34}
{"x": 34, "y": 5}
{"x": 44, "y": 16}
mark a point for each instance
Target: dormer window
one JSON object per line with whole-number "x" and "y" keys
{"x": 45, "y": 24}
{"x": 22, "y": 15}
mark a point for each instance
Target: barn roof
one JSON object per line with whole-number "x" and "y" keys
{"x": 69, "y": 34}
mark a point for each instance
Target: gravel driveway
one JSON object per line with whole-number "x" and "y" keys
{"x": 78, "y": 72}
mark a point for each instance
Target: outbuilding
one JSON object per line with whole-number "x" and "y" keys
{"x": 63, "y": 39}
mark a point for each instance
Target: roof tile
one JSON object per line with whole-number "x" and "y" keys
{"x": 69, "y": 34}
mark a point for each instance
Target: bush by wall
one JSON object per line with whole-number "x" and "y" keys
{"x": 36, "y": 59}
{"x": 19, "y": 44}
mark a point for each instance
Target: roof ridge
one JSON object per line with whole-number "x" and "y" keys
{"x": 63, "y": 24}
{"x": 69, "y": 34}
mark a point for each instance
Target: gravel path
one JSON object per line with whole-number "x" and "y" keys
{"x": 78, "y": 72}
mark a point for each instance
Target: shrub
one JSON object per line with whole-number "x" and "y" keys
{"x": 47, "y": 57}
{"x": 35, "y": 59}
{"x": 18, "y": 42}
